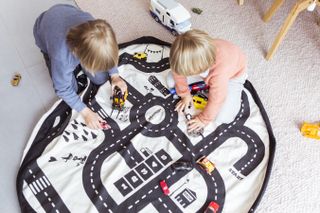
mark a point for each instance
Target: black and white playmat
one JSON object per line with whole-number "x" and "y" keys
{"x": 68, "y": 167}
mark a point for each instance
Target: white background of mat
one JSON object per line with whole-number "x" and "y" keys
{"x": 288, "y": 85}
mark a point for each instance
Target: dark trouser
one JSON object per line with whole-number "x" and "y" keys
{"x": 81, "y": 79}
{"x": 47, "y": 60}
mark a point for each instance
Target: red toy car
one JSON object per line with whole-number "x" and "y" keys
{"x": 212, "y": 208}
{"x": 164, "y": 187}
{"x": 105, "y": 125}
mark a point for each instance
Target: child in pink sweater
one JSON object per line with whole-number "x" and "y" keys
{"x": 220, "y": 64}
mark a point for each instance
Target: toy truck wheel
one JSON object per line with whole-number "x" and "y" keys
{"x": 174, "y": 32}
{"x": 157, "y": 19}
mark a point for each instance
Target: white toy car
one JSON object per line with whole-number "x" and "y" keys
{"x": 171, "y": 14}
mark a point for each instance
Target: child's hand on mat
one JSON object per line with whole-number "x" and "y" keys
{"x": 184, "y": 103}
{"x": 195, "y": 124}
{"x": 117, "y": 81}
{"x": 91, "y": 118}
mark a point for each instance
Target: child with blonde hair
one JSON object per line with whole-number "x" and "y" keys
{"x": 220, "y": 64}
{"x": 68, "y": 37}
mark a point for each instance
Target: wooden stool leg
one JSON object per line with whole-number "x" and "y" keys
{"x": 298, "y": 7}
{"x": 240, "y": 2}
{"x": 274, "y": 7}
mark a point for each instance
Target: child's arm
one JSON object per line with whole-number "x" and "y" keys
{"x": 64, "y": 85}
{"x": 181, "y": 85}
{"x": 182, "y": 89}
{"x": 217, "y": 94}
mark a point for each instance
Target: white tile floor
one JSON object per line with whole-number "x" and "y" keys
{"x": 21, "y": 107}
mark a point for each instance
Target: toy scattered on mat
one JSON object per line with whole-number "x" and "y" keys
{"x": 164, "y": 187}
{"x": 182, "y": 166}
{"x": 213, "y": 207}
{"x": 105, "y": 125}
{"x": 118, "y": 99}
{"x": 199, "y": 100}
{"x": 194, "y": 87}
{"x": 140, "y": 56}
{"x": 171, "y": 14}
{"x": 16, "y": 79}
{"x": 311, "y": 130}
{"x": 194, "y": 133}
{"x": 196, "y": 10}
{"x": 206, "y": 164}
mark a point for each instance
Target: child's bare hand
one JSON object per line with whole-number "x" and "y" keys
{"x": 117, "y": 81}
{"x": 91, "y": 118}
{"x": 184, "y": 103}
{"x": 195, "y": 124}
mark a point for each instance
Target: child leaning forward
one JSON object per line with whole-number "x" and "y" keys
{"x": 220, "y": 64}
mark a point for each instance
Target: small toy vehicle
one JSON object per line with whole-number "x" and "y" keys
{"x": 311, "y": 130}
{"x": 206, "y": 164}
{"x": 140, "y": 56}
{"x": 213, "y": 207}
{"x": 16, "y": 79}
{"x": 164, "y": 187}
{"x": 199, "y": 101}
{"x": 196, "y": 10}
{"x": 118, "y": 99}
{"x": 194, "y": 88}
{"x": 172, "y": 15}
{"x": 105, "y": 125}
{"x": 182, "y": 166}
{"x": 198, "y": 86}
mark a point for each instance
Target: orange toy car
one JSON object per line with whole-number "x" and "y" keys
{"x": 206, "y": 164}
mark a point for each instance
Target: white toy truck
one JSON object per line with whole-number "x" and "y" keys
{"x": 171, "y": 14}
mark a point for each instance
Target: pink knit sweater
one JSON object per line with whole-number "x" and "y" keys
{"x": 230, "y": 63}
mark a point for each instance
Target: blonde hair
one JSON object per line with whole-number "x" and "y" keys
{"x": 94, "y": 43}
{"x": 192, "y": 52}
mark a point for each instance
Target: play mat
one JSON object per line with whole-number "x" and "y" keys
{"x": 67, "y": 167}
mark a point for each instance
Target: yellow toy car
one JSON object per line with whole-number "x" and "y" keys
{"x": 140, "y": 56}
{"x": 199, "y": 101}
{"x": 311, "y": 130}
{"x": 16, "y": 79}
{"x": 206, "y": 164}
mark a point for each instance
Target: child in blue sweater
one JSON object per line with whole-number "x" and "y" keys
{"x": 68, "y": 37}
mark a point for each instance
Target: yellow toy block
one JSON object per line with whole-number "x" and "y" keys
{"x": 311, "y": 130}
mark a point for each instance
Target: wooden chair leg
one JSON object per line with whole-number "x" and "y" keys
{"x": 274, "y": 7}
{"x": 240, "y": 2}
{"x": 297, "y": 8}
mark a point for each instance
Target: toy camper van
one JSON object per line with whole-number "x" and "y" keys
{"x": 171, "y": 14}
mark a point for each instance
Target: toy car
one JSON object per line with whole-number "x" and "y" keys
{"x": 199, "y": 101}
{"x": 213, "y": 207}
{"x": 16, "y": 80}
{"x": 182, "y": 166}
{"x": 164, "y": 187}
{"x": 105, "y": 125}
{"x": 140, "y": 56}
{"x": 206, "y": 164}
{"x": 118, "y": 98}
{"x": 311, "y": 130}
{"x": 171, "y": 14}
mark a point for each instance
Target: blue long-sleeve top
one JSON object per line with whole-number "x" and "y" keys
{"x": 50, "y": 32}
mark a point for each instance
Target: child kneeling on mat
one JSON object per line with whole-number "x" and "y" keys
{"x": 68, "y": 37}
{"x": 220, "y": 64}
